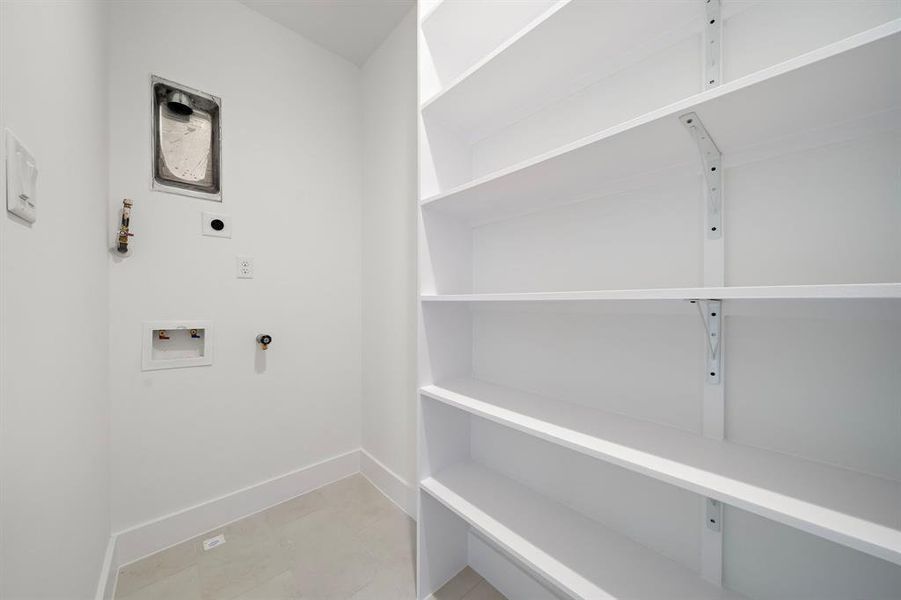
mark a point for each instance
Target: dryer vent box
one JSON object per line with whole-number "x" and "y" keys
{"x": 187, "y": 136}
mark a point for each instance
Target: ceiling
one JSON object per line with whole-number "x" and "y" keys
{"x": 350, "y": 28}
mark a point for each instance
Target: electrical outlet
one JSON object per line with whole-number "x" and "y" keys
{"x": 245, "y": 267}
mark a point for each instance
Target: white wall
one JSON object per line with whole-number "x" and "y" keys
{"x": 389, "y": 243}
{"x": 54, "y": 407}
{"x": 291, "y": 183}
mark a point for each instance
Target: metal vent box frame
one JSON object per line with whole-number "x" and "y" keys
{"x": 187, "y": 140}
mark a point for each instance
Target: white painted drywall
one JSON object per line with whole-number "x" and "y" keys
{"x": 389, "y": 243}
{"x": 54, "y": 407}
{"x": 292, "y": 185}
{"x": 353, "y": 29}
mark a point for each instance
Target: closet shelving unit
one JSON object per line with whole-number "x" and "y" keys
{"x": 848, "y": 507}
{"x": 609, "y": 199}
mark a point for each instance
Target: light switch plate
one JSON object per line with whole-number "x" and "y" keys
{"x": 21, "y": 180}
{"x": 217, "y": 225}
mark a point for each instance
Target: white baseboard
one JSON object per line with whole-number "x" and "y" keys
{"x": 144, "y": 539}
{"x": 148, "y": 538}
{"x": 106, "y": 586}
{"x": 389, "y": 483}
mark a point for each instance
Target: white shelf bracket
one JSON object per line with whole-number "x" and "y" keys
{"x": 714, "y": 515}
{"x": 710, "y": 312}
{"x": 713, "y": 45}
{"x": 712, "y": 541}
{"x": 712, "y": 163}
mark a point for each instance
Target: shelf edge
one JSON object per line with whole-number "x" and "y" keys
{"x": 879, "y": 540}
{"x": 852, "y": 291}
{"x": 834, "y": 49}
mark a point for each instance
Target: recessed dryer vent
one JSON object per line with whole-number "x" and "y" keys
{"x": 186, "y": 140}
{"x": 175, "y": 344}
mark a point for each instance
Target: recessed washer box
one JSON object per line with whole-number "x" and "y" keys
{"x": 176, "y": 344}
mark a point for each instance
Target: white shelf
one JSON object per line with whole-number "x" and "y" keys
{"x": 840, "y": 83}
{"x": 470, "y": 85}
{"x": 458, "y": 35}
{"x": 857, "y": 510}
{"x": 863, "y": 291}
{"x": 572, "y": 43}
{"x": 574, "y": 553}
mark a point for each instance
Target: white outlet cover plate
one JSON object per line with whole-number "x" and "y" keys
{"x": 244, "y": 267}
{"x": 207, "y": 225}
{"x": 21, "y": 180}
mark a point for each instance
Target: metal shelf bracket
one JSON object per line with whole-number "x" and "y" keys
{"x": 711, "y": 313}
{"x": 714, "y": 514}
{"x": 712, "y": 162}
{"x": 713, "y": 45}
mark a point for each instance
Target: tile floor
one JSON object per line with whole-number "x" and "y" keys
{"x": 345, "y": 540}
{"x": 468, "y": 585}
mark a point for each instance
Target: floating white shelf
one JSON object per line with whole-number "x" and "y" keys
{"x": 863, "y": 291}
{"x": 576, "y": 554}
{"x": 854, "y": 509}
{"x": 835, "y": 85}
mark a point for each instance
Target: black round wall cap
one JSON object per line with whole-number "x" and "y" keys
{"x": 217, "y": 224}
